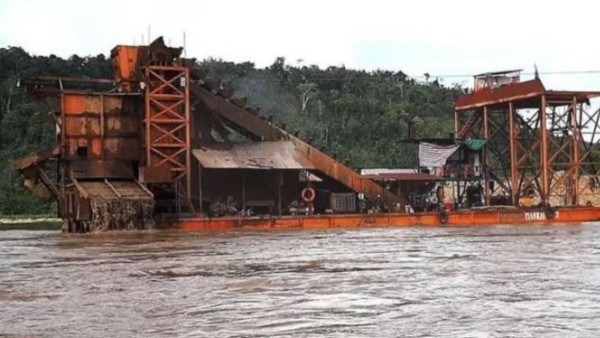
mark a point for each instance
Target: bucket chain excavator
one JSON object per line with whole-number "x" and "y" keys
{"x": 124, "y": 151}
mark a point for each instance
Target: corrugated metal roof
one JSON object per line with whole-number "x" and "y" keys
{"x": 565, "y": 95}
{"x": 517, "y": 92}
{"x": 403, "y": 177}
{"x": 499, "y": 72}
{"x": 396, "y": 174}
{"x": 491, "y": 96}
{"x": 379, "y": 171}
{"x": 259, "y": 155}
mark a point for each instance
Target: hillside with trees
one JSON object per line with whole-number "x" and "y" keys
{"x": 362, "y": 117}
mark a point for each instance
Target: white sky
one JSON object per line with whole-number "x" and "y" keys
{"x": 438, "y": 37}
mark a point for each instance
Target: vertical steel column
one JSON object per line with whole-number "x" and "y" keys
{"x": 188, "y": 136}
{"x": 544, "y": 150}
{"x": 243, "y": 191}
{"x": 279, "y": 185}
{"x": 514, "y": 171}
{"x": 102, "y": 127}
{"x": 200, "y": 188}
{"x": 486, "y": 155}
{"x": 575, "y": 160}
{"x": 147, "y": 122}
{"x": 62, "y": 164}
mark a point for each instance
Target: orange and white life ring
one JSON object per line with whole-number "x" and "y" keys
{"x": 308, "y": 195}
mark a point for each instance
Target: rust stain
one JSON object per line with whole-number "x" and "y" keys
{"x": 261, "y": 155}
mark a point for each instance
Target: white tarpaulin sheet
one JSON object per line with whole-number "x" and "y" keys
{"x": 435, "y": 155}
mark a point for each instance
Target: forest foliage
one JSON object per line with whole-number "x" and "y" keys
{"x": 360, "y": 116}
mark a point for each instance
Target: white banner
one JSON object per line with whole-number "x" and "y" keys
{"x": 435, "y": 155}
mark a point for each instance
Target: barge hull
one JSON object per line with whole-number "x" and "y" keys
{"x": 455, "y": 218}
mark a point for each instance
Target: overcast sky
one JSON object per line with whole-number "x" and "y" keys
{"x": 437, "y": 37}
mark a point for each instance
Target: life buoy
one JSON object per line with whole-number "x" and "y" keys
{"x": 308, "y": 195}
{"x": 443, "y": 217}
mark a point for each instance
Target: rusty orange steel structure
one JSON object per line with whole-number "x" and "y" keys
{"x": 167, "y": 124}
{"x": 131, "y": 143}
{"x": 139, "y": 128}
{"x": 492, "y": 216}
{"x": 158, "y": 71}
{"x": 538, "y": 140}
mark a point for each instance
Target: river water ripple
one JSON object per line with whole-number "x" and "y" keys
{"x": 389, "y": 282}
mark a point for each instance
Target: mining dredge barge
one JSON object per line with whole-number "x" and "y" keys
{"x": 162, "y": 144}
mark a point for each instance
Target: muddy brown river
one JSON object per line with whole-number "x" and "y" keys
{"x": 496, "y": 281}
